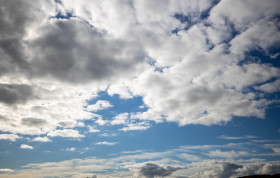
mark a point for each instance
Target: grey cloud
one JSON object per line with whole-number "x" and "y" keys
{"x": 151, "y": 170}
{"x": 15, "y": 93}
{"x": 71, "y": 51}
{"x": 16, "y": 17}
{"x": 228, "y": 169}
{"x": 234, "y": 169}
{"x": 33, "y": 122}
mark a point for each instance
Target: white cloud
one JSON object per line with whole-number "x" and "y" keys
{"x": 70, "y": 149}
{"x": 65, "y": 133}
{"x": 106, "y": 143}
{"x": 120, "y": 119}
{"x": 41, "y": 139}
{"x": 237, "y": 138}
{"x": 11, "y": 137}
{"x": 136, "y": 126}
{"x": 6, "y": 170}
{"x": 24, "y": 146}
{"x": 100, "y": 121}
{"x": 93, "y": 130}
{"x": 99, "y": 105}
{"x": 227, "y": 154}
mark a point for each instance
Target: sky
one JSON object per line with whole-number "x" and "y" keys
{"x": 139, "y": 88}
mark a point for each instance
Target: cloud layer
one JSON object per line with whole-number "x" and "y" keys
{"x": 187, "y": 60}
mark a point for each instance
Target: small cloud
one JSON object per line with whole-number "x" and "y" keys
{"x": 108, "y": 135}
{"x": 41, "y": 139}
{"x": 70, "y": 149}
{"x": 100, "y": 121}
{"x": 3, "y": 171}
{"x": 189, "y": 157}
{"x": 138, "y": 126}
{"x": 92, "y": 130}
{"x": 24, "y": 146}
{"x": 120, "y": 119}
{"x": 11, "y": 137}
{"x": 107, "y": 143}
{"x": 65, "y": 133}
{"x": 99, "y": 105}
{"x": 237, "y": 138}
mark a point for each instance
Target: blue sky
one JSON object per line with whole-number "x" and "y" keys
{"x": 139, "y": 88}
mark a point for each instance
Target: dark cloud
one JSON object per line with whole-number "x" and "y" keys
{"x": 33, "y": 122}
{"x": 69, "y": 50}
{"x": 16, "y": 17}
{"x": 228, "y": 169}
{"x": 13, "y": 93}
{"x": 151, "y": 170}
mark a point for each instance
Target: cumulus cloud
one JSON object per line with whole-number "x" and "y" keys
{"x": 120, "y": 119}
{"x": 99, "y": 105}
{"x": 41, "y": 139}
{"x": 24, "y": 146}
{"x": 11, "y": 137}
{"x": 189, "y": 61}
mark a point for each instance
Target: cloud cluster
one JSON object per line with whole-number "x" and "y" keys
{"x": 190, "y": 61}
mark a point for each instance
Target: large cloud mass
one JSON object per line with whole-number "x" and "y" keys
{"x": 188, "y": 60}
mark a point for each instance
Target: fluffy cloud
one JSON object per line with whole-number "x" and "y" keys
{"x": 41, "y": 139}
{"x": 10, "y": 137}
{"x": 187, "y": 60}
{"x": 99, "y": 105}
{"x": 24, "y": 146}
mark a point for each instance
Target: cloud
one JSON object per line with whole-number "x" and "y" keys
{"x": 65, "y": 133}
{"x": 237, "y": 138}
{"x": 70, "y": 149}
{"x": 146, "y": 163}
{"x": 190, "y": 62}
{"x": 41, "y": 139}
{"x": 227, "y": 154}
{"x": 11, "y": 137}
{"x": 136, "y": 126}
{"x": 120, "y": 119}
{"x": 106, "y": 143}
{"x": 99, "y": 105}
{"x": 24, "y": 146}
{"x": 13, "y": 93}
{"x": 150, "y": 170}
{"x": 33, "y": 122}
{"x": 93, "y": 130}
{"x": 6, "y": 171}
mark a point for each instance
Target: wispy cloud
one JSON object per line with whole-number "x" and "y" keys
{"x": 106, "y": 143}
{"x": 237, "y": 138}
